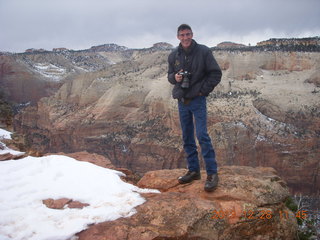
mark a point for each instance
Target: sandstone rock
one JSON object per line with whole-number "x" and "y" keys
{"x": 314, "y": 79}
{"x": 292, "y": 62}
{"x": 9, "y": 156}
{"x": 77, "y": 204}
{"x": 6, "y": 156}
{"x": 56, "y": 204}
{"x": 63, "y": 203}
{"x": 246, "y": 205}
{"x": 269, "y": 109}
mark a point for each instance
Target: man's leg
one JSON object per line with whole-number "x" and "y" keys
{"x": 189, "y": 144}
{"x": 199, "y": 109}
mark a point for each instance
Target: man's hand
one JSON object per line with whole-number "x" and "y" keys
{"x": 178, "y": 77}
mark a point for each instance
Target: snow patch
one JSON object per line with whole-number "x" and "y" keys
{"x": 26, "y": 182}
{"x": 5, "y": 134}
{"x": 50, "y": 71}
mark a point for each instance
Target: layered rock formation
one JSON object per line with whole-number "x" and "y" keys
{"x": 265, "y": 112}
{"x": 19, "y": 84}
{"x": 248, "y": 204}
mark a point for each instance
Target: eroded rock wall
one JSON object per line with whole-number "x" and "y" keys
{"x": 264, "y": 113}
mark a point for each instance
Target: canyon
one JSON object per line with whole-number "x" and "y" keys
{"x": 117, "y": 102}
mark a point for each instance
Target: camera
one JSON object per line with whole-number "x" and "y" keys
{"x": 185, "y": 79}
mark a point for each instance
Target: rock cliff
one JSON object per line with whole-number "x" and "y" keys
{"x": 248, "y": 204}
{"x": 19, "y": 84}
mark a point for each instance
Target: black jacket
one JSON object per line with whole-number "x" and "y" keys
{"x": 199, "y": 61}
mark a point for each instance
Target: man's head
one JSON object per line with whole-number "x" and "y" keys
{"x": 184, "y": 34}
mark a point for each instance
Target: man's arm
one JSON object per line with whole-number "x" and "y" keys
{"x": 213, "y": 74}
{"x": 171, "y": 72}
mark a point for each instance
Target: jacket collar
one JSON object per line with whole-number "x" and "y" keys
{"x": 189, "y": 50}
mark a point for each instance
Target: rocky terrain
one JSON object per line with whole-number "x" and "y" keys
{"x": 118, "y": 103}
{"x": 248, "y": 204}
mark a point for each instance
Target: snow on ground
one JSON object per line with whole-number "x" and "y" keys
{"x": 6, "y": 150}
{"x": 50, "y": 71}
{"x": 5, "y": 134}
{"x": 26, "y": 182}
{"x": 3, "y": 148}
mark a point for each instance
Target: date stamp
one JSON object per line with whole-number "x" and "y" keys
{"x": 260, "y": 214}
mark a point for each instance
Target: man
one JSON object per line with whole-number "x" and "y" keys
{"x": 194, "y": 73}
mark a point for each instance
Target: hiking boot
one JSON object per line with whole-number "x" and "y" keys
{"x": 189, "y": 177}
{"x": 211, "y": 182}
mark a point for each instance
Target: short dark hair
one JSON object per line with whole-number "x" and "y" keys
{"x": 184, "y": 27}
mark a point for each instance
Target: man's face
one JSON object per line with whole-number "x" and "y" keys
{"x": 185, "y": 37}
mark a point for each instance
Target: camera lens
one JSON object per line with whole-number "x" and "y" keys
{"x": 185, "y": 82}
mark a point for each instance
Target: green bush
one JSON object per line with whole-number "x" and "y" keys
{"x": 6, "y": 112}
{"x": 290, "y": 203}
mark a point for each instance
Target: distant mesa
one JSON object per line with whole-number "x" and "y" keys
{"x": 34, "y": 50}
{"x": 162, "y": 46}
{"x": 230, "y": 45}
{"x": 41, "y": 50}
{"x": 311, "y": 41}
{"x": 110, "y": 47}
{"x": 62, "y": 49}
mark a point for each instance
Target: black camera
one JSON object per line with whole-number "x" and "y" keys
{"x": 185, "y": 79}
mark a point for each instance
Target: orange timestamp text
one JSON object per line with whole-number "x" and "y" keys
{"x": 261, "y": 214}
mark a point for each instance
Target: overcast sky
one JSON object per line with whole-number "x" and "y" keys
{"x": 80, "y": 24}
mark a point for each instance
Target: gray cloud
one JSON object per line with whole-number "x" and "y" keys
{"x": 79, "y": 24}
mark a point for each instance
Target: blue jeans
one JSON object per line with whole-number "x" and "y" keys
{"x": 197, "y": 110}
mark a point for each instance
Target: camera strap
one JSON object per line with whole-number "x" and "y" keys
{"x": 186, "y": 57}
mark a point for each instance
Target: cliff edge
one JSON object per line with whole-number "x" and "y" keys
{"x": 248, "y": 204}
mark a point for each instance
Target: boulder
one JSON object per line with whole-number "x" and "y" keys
{"x": 63, "y": 203}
